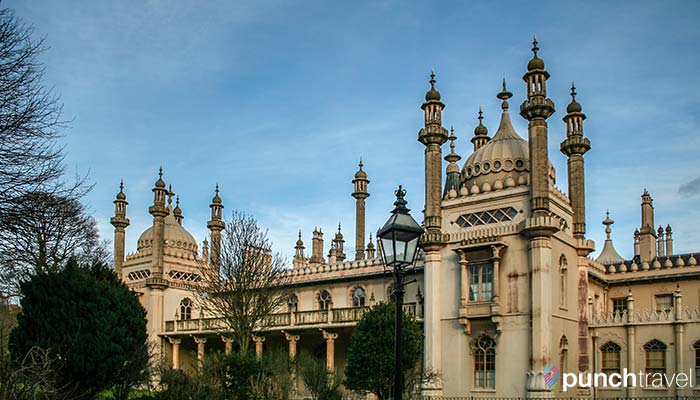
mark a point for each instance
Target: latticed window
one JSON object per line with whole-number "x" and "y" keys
{"x": 485, "y": 362}
{"x": 185, "y": 309}
{"x": 610, "y": 352}
{"x": 563, "y": 281}
{"x": 292, "y": 302}
{"x": 563, "y": 353}
{"x": 358, "y": 297}
{"x": 487, "y": 217}
{"x": 481, "y": 282}
{"x": 619, "y": 305}
{"x": 664, "y": 302}
{"x": 324, "y": 300}
{"x": 696, "y": 347}
{"x": 655, "y": 357}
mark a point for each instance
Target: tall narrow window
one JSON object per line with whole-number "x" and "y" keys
{"x": 563, "y": 353}
{"x": 655, "y": 357}
{"x": 619, "y": 305}
{"x": 696, "y": 347}
{"x": 481, "y": 282}
{"x": 485, "y": 362}
{"x": 185, "y": 309}
{"x": 358, "y": 297}
{"x": 324, "y": 300}
{"x": 563, "y": 284}
{"x": 610, "y": 352}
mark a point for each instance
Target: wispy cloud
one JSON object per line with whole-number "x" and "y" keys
{"x": 691, "y": 188}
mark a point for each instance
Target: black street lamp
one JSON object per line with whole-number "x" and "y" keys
{"x": 399, "y": 244}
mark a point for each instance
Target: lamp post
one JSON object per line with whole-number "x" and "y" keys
{"x": 399, "y": 239}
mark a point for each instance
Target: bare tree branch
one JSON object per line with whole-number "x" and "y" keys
{"x": 248, "y": 285}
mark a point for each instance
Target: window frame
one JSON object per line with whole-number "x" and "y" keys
{"x": 185, "y": 309}
{"x": 484, "y": 290}
{"x": 361, "y": 299}
{"x": 618, "y": 300}
{"x": 324, "y": 304}
{"x": 610, "y": 352}
{"x": 651, "y": 347}
{"x": 484, "y": 351}
{"x": 665, "y": 296}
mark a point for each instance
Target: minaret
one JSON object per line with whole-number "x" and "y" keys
{"x": 317, "y": 247}
{"x": 536, "y": 109}
{"x": 120, "y": 222}
{"x": 338, "y": 245}
{"x": 647, "y": 235}
{"x": 433, "y": 136}
{"x": 360, "y": 194}
{"x": 574, "y": 147}
{"x": 177, "y": 212}
{"x": 669, "y": 241}
{"x": 159, "y": 212}
{"x": 216, "y": 225}
{"x": 370, "y": 248}
{"x": 481, "y": 133}
{"x": 299, "y": 258}
{"x": 636, "y": 242}
{"x": 660, "y": 243}
{"x": 539, "y": 226}
{"x": 452, "y": 173}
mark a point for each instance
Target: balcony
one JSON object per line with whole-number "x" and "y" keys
{"x": 334, "y": 317}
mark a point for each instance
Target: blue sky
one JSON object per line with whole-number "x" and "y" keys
{"x": 277, "y": 101}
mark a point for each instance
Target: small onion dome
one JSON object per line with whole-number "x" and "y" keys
{"x": 480, "y": 129}
{"x": 121, "y": 195}
{"x": 536, "y": 62}
{"x": 432, "y": 94}
{"x": 177, "y": 211}
{"x": 574, "y": 106}
{"x": 299, "y": 241}
{"x": 160, "y": 183}
{"x": 216, "y": 199}
{"x": 360, "y": 174}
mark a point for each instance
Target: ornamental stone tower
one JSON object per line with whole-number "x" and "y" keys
{"x": 216, "y": 225}
{"x": 540, "y": 226}
{"x": 433, "y": 136}
{"x": 647, "y": 236}
{"x": 155, "y": 284}
{"x": 360, "y": 194}
{"x": 120, "y": 222}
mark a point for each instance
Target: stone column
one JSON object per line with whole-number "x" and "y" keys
{"x": 678, "y": 330}
{"x": 330, "y": 349}
{"x": 228, "y": 344}
{"x": 431, "y": 322}
{"x": 464, "y": 277}
{"x": 631, "y": 345}
{"x": 496, "y": 271}
{"x": 175, "y": 342}
{"x": 258, "y": 345}
{"x": 292, "y": 339}
{"x": 540, "y": 249}
{"x": 200, "y": 349}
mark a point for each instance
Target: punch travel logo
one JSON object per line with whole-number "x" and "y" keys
{"x": 551, "y": 377}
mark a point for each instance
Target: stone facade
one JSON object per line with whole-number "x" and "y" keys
{"x": 505, "y": 285}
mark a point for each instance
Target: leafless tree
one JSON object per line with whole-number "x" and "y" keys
{"x": 249, "y": 282}
{"x": 45, "y": 230}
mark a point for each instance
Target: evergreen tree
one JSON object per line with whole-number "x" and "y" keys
{"x": 371, "y": 352}
{"x": 90, "y": 321}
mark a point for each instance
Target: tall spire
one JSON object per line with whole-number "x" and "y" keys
{"x": 338, "y": 244}
{"x": 120, "y": 222}
{"x": 177, "y": 211}
{"x": 360, "y": 194}
{"x": 647, "y": 233}
{"x": 452, "y": 179}
{"x": 536, "y": 109}
{"x": 574, "y": 147}
{"x": 433, "y": 135}
{"x": 216, "y": 225}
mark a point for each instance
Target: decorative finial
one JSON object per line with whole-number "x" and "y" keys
{"x": 338, "y": 227}
{"x": 361, "y": 165}
{"x": 573, "y": 91}
{"x": 607, "y": 222}
{"x": 217, "y": 188}
{"x": 299, "y": 234}
{"x": 121, "y": 185}
{"x": 481, "y": 115}
{"x": 170, "y": 194}
{"x": 400, "y": 203}
{"x": 160, "y": 171}
{"x": 535, "y": 49}
{"x": 504, "y": 95}
{"x": 177, "y": 201}
{"x": 432, "y": 77}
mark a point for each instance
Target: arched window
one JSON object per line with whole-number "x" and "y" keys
{"x": 655, "y": 357}
{"x": 696, "y": 347}
{"x": 324, "y": 300}
{"x": 563, "y": 281}
{"x": 563, "y": 353}
{"x": 484, "y": 362}
{"x": 358, "y": 297}
{"x": 185, "y": 309}
{"x": 610, "y": 358}
{"x": 292, "y": 302}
